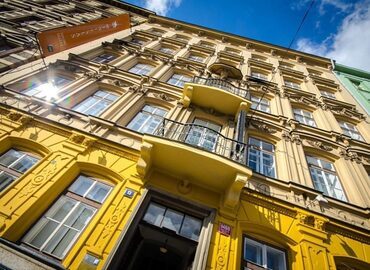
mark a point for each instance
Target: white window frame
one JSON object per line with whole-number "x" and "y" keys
{"x": 259, "y": 104}
{"x": 98, "y": 100}
{"x": 167, "y": 50}
{"x": 304, "y": 117}
{"x": 196, "y": 58}
{"x": 141, "y": 69}
{"x": 350, "y": 130}
{"x": 264, "y": 248}
{"x": 327, "y": 94}
{"x": 78, "y": 200}
{"x": 178, "y": 79}
{"x": 259, "y": 75}
{"x": 260, "y": 153}
{"x": 209, "y": 132}
{"x": 151, "y": 117}
{"x": 325, "y": 178}
{"x": 12, "y": 172}
{"x": 292, "y": 84}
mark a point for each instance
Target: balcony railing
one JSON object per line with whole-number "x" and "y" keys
{"x": 224, "y": 85}
{"x": 203, "y": 138}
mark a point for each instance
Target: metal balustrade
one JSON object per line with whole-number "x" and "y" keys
{"x": 222, "y": 84}
{"x": 203, "y": 138}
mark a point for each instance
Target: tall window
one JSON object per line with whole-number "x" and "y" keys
{"x": 59, "y": 228}
{"x": 196, "y": 58}
{"x": 292, "y": 84}
{"x": 327, "y": 94}
{"x": 304, "y": 117}
{"x": 148, "y": 119}
{"x": 167, "y": 50}
{"x": 14, "y": 163}
{"x": 259, "y": 75}
{"x": 203, "y": 134}
{"x": 103, "y": 58}
{"x": 263, "y": 255}
{"x": 44, "y": 88}
{"x": 141, "y": 69}
{"x": 325, "y": 178}
{"x": 97, "y": 103}
{"x": 350, "y": 130}
{"x": 260, "y": 104}
{"x": 179, "y": 79}
{"x": 261, "y": 157}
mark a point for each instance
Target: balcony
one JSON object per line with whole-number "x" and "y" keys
{"x": 217, "y": 94}
{"x": 196, "y": 153}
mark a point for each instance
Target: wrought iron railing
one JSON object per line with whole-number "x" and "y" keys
{"x": 223, "y": 84}
{"x": 203, "y": 138}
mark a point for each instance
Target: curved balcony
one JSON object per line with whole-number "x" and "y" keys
{"x": 217, "y": 94}
{"x": 196, "y": 153}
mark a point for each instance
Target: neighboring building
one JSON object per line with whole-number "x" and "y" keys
{"x": 174, "y": 146}
{"x": 357, "y": 82}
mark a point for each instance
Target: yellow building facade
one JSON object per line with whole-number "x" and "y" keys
{"x": 174, "y": 146}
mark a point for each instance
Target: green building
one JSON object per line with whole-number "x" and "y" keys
{"x": 357, "y": 82}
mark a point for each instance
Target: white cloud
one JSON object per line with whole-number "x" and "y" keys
{"x": 351, "y": 44}
{"x": 339, "y": 4}
{"x": 161, "y": 7}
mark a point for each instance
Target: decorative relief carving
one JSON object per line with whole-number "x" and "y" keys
{"x": 184, "y": 186}
{"x": 14, "y": 116}
{"x": 106, "y": 69}
{"x": 263, "y": 127}
{"x": 82, "y": 140}
{"x": 348, "y": 155}
{"x": 222, "y": 252}
{"x": 111, "y": 226}
{"x": 319, "y": 145}
{"x": 163, "y": 96}
{"x": 42, "y": 177}
{"x": 291, "y": 137}
{"x": 319, "y": 224}
{"x": 269, "y": 205}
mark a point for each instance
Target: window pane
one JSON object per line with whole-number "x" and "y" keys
{"x": 154, "y": 214}
{"x": 10, "y": 156}
{"x": 253, "y": 252}
{"x": 24, "y": 163}
{"x": 81, "y": 185}
{"x": 5, "y": 180}
{"x": 191, "y": 228}
{"x": 172, "y": 220}
{"x": 80, "y": 216}
{"x": 60, "y": 241}
{"x": 275, "y": 259}
{"x": 45, "y": 228}
{"x": 99, "y": 192}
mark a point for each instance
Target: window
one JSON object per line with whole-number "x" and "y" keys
{"x": 59, "y": 228}
{"x": 176, "y": 221}
{"x": 196, "y": 58}
{"x": 261, "y": 157}
{"x": 263, "y": 255}
{"x": 137, "y": 41}
{"x": 259, "y": 75}
{"x": 260, "y": 104}
{"x": 179, "y": 79}
{"x": 327, "y": 94}
{"x": 207, "y": 44}
{"x": 203, "y": 134}
{"x": 304, "y": 117}
{"x": 14, "y": 163}
{"x": 292, "y": 84}
{"x": 97, "y": 103}
{"x": 103, "y": 58}
{"x": 46, "y": 89}
{"x": 148, "y": 119}
{"x": 167, "y": 50}
{"x": 350, "y": 130}
{"x": 141, "y": 69}
{"x": 325, "y": 178}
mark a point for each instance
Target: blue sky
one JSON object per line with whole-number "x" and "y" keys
{"x": 338, "y": 29}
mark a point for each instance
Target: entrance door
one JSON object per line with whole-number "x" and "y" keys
{"x": 164, "y": 238}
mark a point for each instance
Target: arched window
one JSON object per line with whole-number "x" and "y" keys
{"x": 97, "y": 103}
{"x": 325, "y": 177}
{"x": 59, "y": 228}
{"x": 14, "y": 163}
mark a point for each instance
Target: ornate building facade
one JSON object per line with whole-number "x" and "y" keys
{"x": 174, "y": 146}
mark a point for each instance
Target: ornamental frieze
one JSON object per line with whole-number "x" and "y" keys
{"x": 319, "y": 145}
